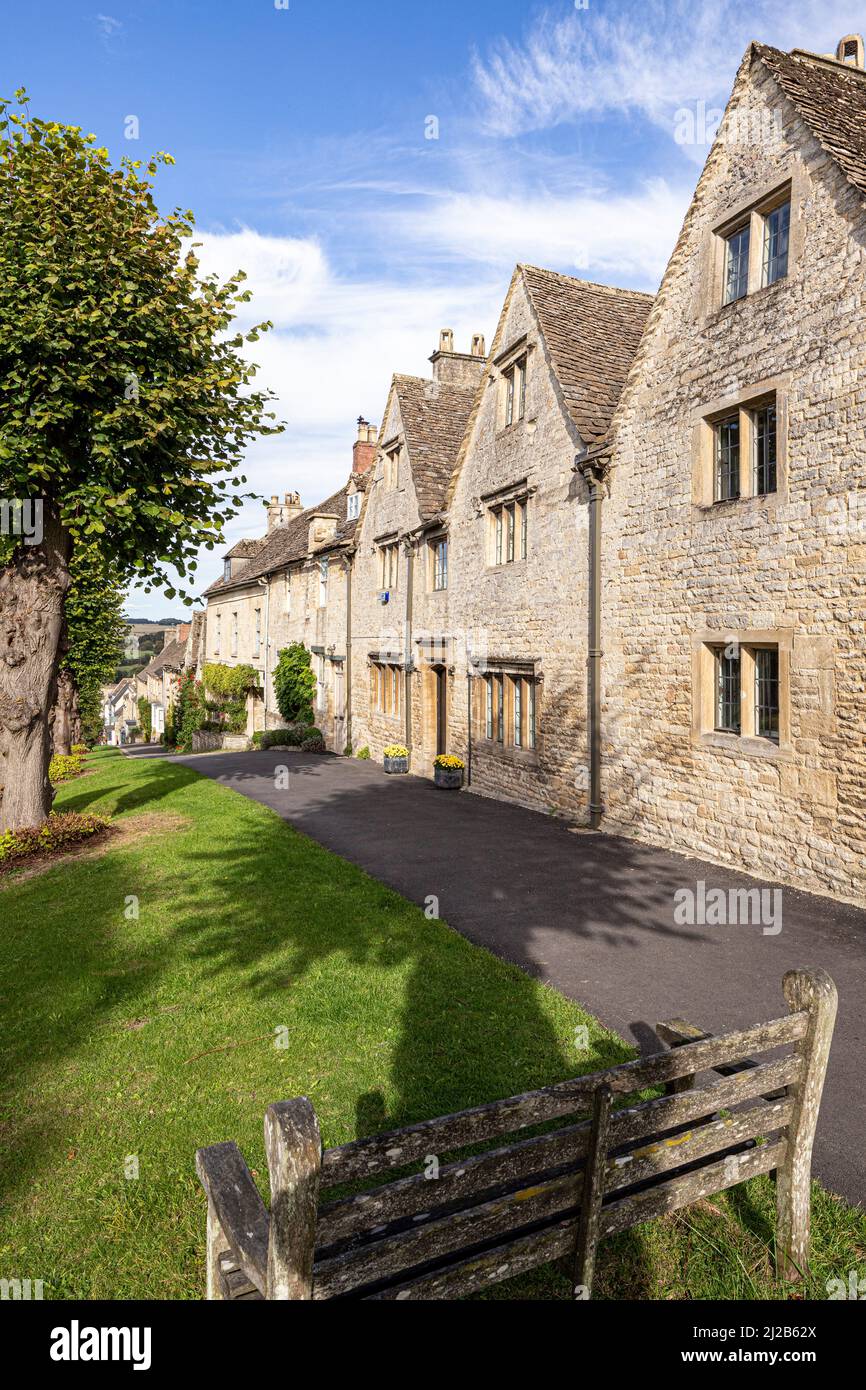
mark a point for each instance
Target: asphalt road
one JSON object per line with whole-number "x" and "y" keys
{"x": 591, "y": 914}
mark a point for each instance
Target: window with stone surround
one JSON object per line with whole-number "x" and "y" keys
{"x": 514, "y": 389}
{"x": 324, "y": 569}
{"x": 218, "y": 633}
{"x": 234, "y": 644}
{"x": 507, "y": 709}
{"x": 353, "y": 506}
{"x": 385, "y": 692}
{"x": 257, "y": 642}
{"x": 389, "y": 564}
{"x": 742, "y": 691}
{"x": 754, "y": 247}
{"x": 741, "y": 454}
{"x": 439, "y": 563}
{"x": 507, "y": 531}
{"x": 391, "y": 468}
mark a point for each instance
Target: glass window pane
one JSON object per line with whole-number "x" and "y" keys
{"x": 737, "y": 265}
{"x": 531, "y": 725}
{"x": 499, "y": 536}
{"x": 777, "y": 226}
{"x": 764, "y": 425}
{"x": 728, "y": 692}
{"x": 767, "y": 693}
{"x": 509, "y": 398}
{"x": 522, "y": 370}
{"x": 518, "y": 714}
{"x": 727, "y": 470}
{"x": 489, "y": 697}
{"x": 510, "y": 551}
{"x": 500, "y": 710}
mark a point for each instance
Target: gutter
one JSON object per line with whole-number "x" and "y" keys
{"x": 265, "y": 583}
{"x": 350, "y": 561}
{"x": 593, "y": 471}
{"x": 408, "y": 660}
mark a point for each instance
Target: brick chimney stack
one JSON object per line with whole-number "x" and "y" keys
{"x": 459, "y": 368}
{"x": 364, "y": 449}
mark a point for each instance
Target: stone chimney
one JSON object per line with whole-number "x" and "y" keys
{"x": 850, "y": 51}
{"x": 459, "y": 368}
{"x": 364, "y": 448}
{"x": 281, "y": 513}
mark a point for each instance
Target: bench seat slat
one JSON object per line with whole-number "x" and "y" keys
{"x": 352, "y": 1217}
{"x": 380, "y": 1152}
{"x": 547, "y": 1197}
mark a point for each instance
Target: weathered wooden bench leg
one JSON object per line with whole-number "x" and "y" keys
{"x": 216, "y": 1246}
{"x": 815, "y": 992}
{"x": 294, "y": 1151}
{"x": 592, "y": 1195}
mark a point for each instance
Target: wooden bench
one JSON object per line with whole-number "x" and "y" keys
{"x": 497, "y": 1213}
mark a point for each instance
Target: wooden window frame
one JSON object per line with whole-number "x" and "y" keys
{"x": 507, "y": 697}
{"x": 747, "y": 406}
{"x": 389, "y": 565}
{"x": 438, "y": 565}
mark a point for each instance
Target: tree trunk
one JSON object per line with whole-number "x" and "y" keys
{"x": 61, "y": 727}
{"x": 75, "y": 716}
{"x": 32, "y": 590}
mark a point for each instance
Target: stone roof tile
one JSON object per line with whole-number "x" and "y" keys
{"x": 434, "y": 415}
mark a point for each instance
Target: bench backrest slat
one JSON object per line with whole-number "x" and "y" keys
{"x": 524, "y": 1159}
{"x": 380, "y": 1152}
{"x": 392, "y": 1253}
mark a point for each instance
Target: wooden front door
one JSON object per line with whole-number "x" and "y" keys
{"x": 441, "y": 709}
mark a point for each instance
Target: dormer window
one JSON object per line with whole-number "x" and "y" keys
{"x": 227, "y": 570}
{"x": 353, "y": 506}
{"x": 391, "y": 468}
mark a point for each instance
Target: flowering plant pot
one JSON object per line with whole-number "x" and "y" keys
{"x": 448, "y": 772}
{"x": 396, "y": 759}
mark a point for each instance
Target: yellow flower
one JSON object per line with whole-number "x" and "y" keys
{"x": 449, "y": 761}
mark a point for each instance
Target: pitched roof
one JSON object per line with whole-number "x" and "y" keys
{"x": 592, "y": 333}
{"x": 434, "y": 415}
{"x": 171, "y": 655}
{"x": 246, "y": 548}
{"x": 285, "y": 544}
{"x": 831, "y": 98}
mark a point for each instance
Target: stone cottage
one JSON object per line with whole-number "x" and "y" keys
{"x": 734, "y": 722}
{"x": 401, "y": 567}
{"x": 293, "y": 585}
{"x": 515, "y": 628}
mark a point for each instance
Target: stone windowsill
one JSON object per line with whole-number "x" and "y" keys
{"x": 745, "y": 746}
{"x": 507, "y": 752}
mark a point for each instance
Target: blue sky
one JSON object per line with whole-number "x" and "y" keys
{"x": 302, "y": 140}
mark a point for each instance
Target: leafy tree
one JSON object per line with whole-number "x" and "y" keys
{"x": 95, "y": 630}
{"x": 295, "y": 684}
{"x": 145, "y": 714}
{"x": 124, "y": 403}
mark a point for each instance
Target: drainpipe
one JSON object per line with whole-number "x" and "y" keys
{"x": 407, "y": 643}
{"x": 348, "y": 690}
{"x": 265, "y": 583}
{"x": 593, "y": 478}
{"x": 468, "y": 727}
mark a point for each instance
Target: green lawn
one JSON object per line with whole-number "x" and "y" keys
{"x": 143, "y": 1037}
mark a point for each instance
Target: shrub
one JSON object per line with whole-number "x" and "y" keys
{"x": 80, "y": 749}
{"x": 57, "y": 832}
{"x": 295, "y": 684}
{"x": 257, "y": 738}
{"x": 230, "y": 682}
{"x": 314, "y": 744}
{"x": 189, "y": 714}
{"x": 363, "y": 754}
{"x": 64, "y": 767}
{"x": 290, "y": 737}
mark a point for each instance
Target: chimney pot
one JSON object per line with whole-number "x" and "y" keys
{"x": 446, "y": 340}
{"x": 479, "y": 347}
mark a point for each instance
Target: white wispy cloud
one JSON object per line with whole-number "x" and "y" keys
{"x": 625, "y": 236}
{"x": 647, "y": 58}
